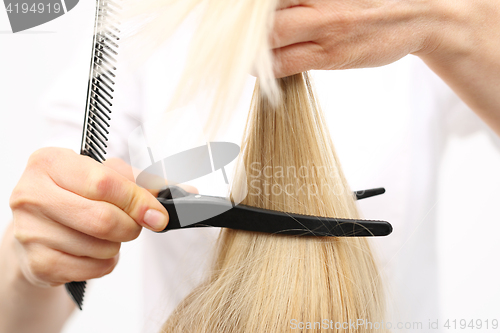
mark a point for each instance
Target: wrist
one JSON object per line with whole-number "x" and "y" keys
{"x": 13, "y": 277}
{"x": 463, "y": 51}
{"x": 47, "y": 308}
{"x": 12, "y": 273}
{"x": 450, "y": 32}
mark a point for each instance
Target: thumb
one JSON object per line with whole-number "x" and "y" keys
{"x": 127, "y": 171}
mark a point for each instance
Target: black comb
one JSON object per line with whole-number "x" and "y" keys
{"x": 99, "y": 96}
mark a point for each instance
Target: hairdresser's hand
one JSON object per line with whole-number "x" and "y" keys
{"x": 457, "y": 39}
{"x": 71, "y": 214}
{"x": 342, "y": 34}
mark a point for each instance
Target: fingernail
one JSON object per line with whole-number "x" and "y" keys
{"x": 156, "y": 220}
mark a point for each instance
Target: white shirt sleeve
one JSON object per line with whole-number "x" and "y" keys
{"x": 457, "y": 119}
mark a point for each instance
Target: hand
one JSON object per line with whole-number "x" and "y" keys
{"x": 458, "y": 39}
{"x": 329, "y": 34}
{"x": 71, "y": 215}
{"x": 341, "y": 34}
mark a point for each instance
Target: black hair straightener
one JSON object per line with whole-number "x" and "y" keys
{"x": 186, "y": 210}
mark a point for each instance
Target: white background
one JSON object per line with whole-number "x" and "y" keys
{"x": 469, "y": 186}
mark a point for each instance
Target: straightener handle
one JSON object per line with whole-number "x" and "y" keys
{"x": 172, "y": 192}
{"x": 369, "y": 193}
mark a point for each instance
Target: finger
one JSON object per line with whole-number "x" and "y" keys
{"x": 295, "y": 25}
{"x": 121, "y": 167}
{"x": 95, "y": 181}
{"x": 298, "y": 58}
{"x": 48, "y": 266}
{"x": 290, "y": 3}
{"x": 127, "y": 171}
{"x": 62, "y": 238}
{"x": 98, "y": 219}
{"x": 151, "y": 182}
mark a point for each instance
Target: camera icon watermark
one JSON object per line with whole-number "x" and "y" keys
{"x": 181, "y": 154}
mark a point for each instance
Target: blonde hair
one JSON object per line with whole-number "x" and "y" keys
{"x": 230, "y": 41}
{"x": 262, "y": 282}
{"x": 266, "y": 283}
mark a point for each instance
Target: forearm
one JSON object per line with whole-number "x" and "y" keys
{"x": 25, "y": 308}
{"x": 464, "y": 53}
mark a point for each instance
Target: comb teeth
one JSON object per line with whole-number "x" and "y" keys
{"x": 99, "y": 97}
{"x": 101, "y": 80}
{"x": 76, "y": 290}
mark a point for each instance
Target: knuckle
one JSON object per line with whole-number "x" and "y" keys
{"x": 104, "y": 225}
{"x": 107, "y": 250}
{"x": 24, "y": 237}
{"x": 16, "y": 198}
{"x": 41, "y": 265}
{"x": 101, "y": 183}
{"x": 20, "y": 235}
{"x": 132, "y": 201}
{"x": 44, "y": 157}
{"x": 112, "y": 250}
{"x": 107, "y": 267}
{"x": 37, "y": 156}
{"x": 112, "y": 264}
{"x": 22, "y": 198}
{"x": 130, "y": 231}
{"x": 25, "y": 229}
